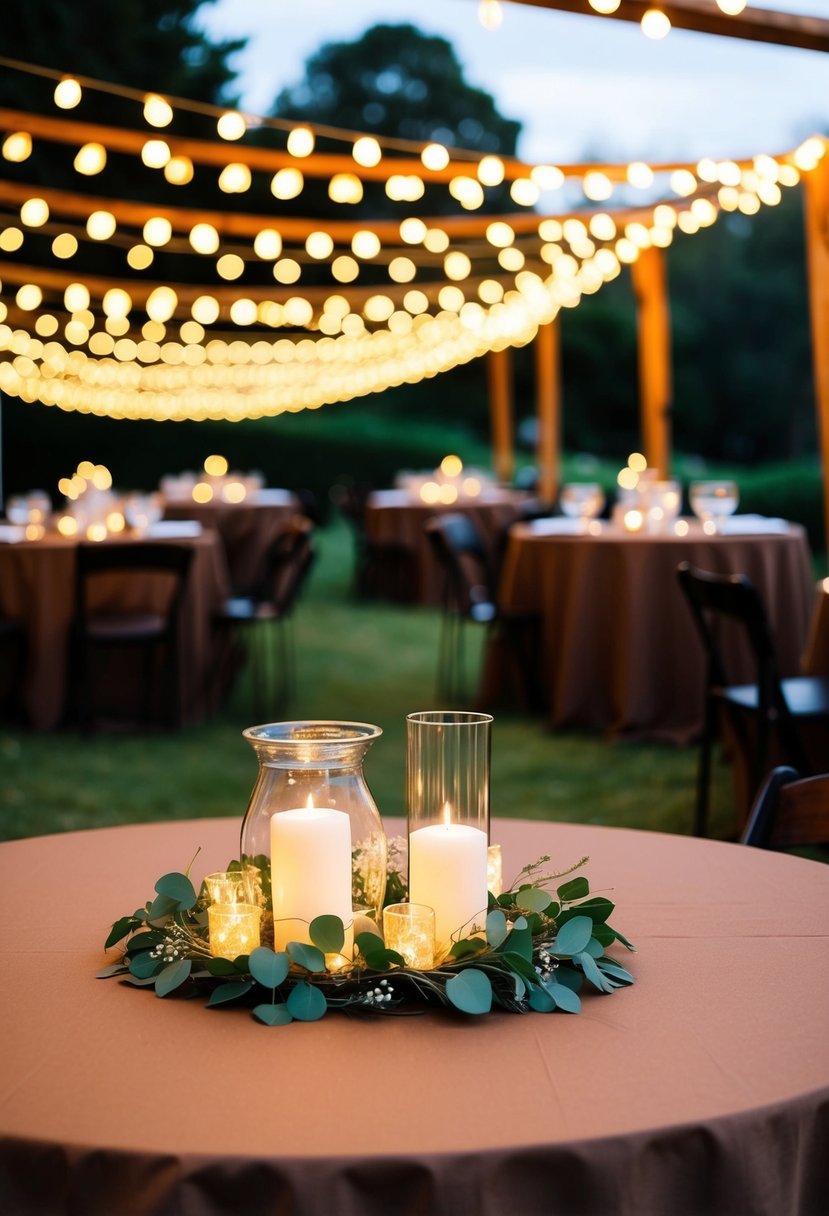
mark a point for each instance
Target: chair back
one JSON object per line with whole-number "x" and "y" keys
{"x": 470, "y": 586}
{"x": 288, "y": 563}
{"x": 133, "y": 557}
{"x": 733, "y": 597}
{"x": 790, "y": 811}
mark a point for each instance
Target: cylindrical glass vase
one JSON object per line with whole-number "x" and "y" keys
{"x": 314, "y": 772}
{"x": 447, "y": 802}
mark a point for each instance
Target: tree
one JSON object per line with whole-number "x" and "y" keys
{"x": 397, "y": 81}
{"x": 146, "y": 44}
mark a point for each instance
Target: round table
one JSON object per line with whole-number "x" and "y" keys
{"x": 395, "y": 515}
{"x": 247, "y": 530}
{"x": 37, "y": 587}
{"x": 704, "y": 1088}
{"x": 619, "y": 650}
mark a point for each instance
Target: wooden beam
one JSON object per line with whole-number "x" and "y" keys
{"x": 548, "y": 409}
{"x": 704, "y": 16}
{"x": 653, "y": 326}
{"x": 499, "y": 380}
{"x": 816, "y": 201}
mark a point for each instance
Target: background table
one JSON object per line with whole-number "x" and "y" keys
{"x": 619, "y": 648}
{"x": 247, "y": 530}
{"x": 702, "y": 1089}
{"x": 393, "y": 515}
{"x": 37, "y": 586}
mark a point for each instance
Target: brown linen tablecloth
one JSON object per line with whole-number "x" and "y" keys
{"x": 619, "y": 649}
{"x": 247, "y": 530}
{"x": 37, "y": 586}
{"x": 702, "y": 1089}
{"x": 395, "y": 515}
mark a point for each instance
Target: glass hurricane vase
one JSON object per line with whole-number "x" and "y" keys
{"x": 317, "y": 766}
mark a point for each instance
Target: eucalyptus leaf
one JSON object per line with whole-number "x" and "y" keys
{"x": 533, "y": 899}
{"x": 597, "y": 908}
{"x": 381, "y": 959}
{"x": 593, "y": 974}
{"x": 467, "y": 947}
{"x": 267, "y": 968}
{"x": 328, "y": 933}
{"x": 541, "y": 1001}
{"x": 470, "y": 991}
{"x": 520, "y": 987}
{"x": 146, "y": 982}
{"x": 564, "y": 997}
{"x": 604, "y": 935}
{"x": 177, "y": 887}
{"x": 144, "y": 941}
{"x": 306, "y": 1003}
{"x": 162, "y": 907}
{"x": 619, "y": 938}
{"x": 173, "y": 976}
{"x": 614, "y": 970}
{"x": 220, "y": 966}
{"x": 594, "y": 949}
{"x": 520, "y": 941}
{"x": 142, "y": 966}
{"x": 231, "y": 991}
{"x": 576, "y": 888}
{"x": 573, "y": 935}
{"x": 112, "y": 969}
{"x": 570, "y": 978}
{"x": 273, "y": 1015}
{"x": 120, "y": 930}
{"x": 308, "y": 957}
{"x": 497, "y": 928}
{"x": 520, "y": 965}
{"x": 367, "y": 940}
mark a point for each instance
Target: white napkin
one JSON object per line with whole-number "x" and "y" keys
{"x": 750, "y": 525}
{"x": 556, "y": 525}
{"x": 174, "y": 529}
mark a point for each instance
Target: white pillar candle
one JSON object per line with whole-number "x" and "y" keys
{"x": 310, "y": 870}
{"x": 448, "y": 872}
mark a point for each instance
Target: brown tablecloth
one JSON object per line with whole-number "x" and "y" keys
{"x": 619, "y": 648}
{"x": 37, "y": 586}
{"x": 247, "y": 530}
{"x": 395, "y": 515}
{"x": 702, "y": 1089}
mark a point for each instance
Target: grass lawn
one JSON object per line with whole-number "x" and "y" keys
{"x": 359, "y": 661}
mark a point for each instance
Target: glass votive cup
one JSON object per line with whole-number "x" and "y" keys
{"x": 243, "y": 886}
{"x": 233, "y": 929}
{"x": 494, "y": 870}
{"x": 410, "y": 930}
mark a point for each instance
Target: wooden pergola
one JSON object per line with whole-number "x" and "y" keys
{"x": 649, "y": 277}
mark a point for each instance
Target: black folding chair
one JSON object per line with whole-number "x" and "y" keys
{"x": 270, "y": 609}
{"x": 773, "y": 706}
{"x": 789, "y": 812}
{"x": 154, "y": 631}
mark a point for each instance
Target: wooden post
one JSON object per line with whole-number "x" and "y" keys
{"x": 548, "y": 409}
{"x": 499, "y": 378}
{"x": 816, "y": 206}
{"x": 650, "y": 287}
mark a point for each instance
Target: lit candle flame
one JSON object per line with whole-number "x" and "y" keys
{"x": 309, "y": 805}
{"x": 447, "y": 814}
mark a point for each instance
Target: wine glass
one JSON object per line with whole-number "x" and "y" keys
{"x": 582, "y": 500}
{"x": 713, "y": 501}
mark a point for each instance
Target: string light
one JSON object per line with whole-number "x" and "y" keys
{"x": 655, "y": 24}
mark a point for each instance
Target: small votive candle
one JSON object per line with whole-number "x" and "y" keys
{"x": 233, "y": 928}
{"x": 242, "y": 886}
{"x": 410, "y": 930}
{"x": 494, "y": 871}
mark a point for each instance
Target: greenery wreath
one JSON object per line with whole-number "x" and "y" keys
{"x": 534, "y": 953}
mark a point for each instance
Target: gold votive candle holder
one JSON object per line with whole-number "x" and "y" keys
{"x": 494, "y": 870}
{"x": 410, "y": 930}
{"x": 233, "y": 928}
{"x": 242, "y": 886}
